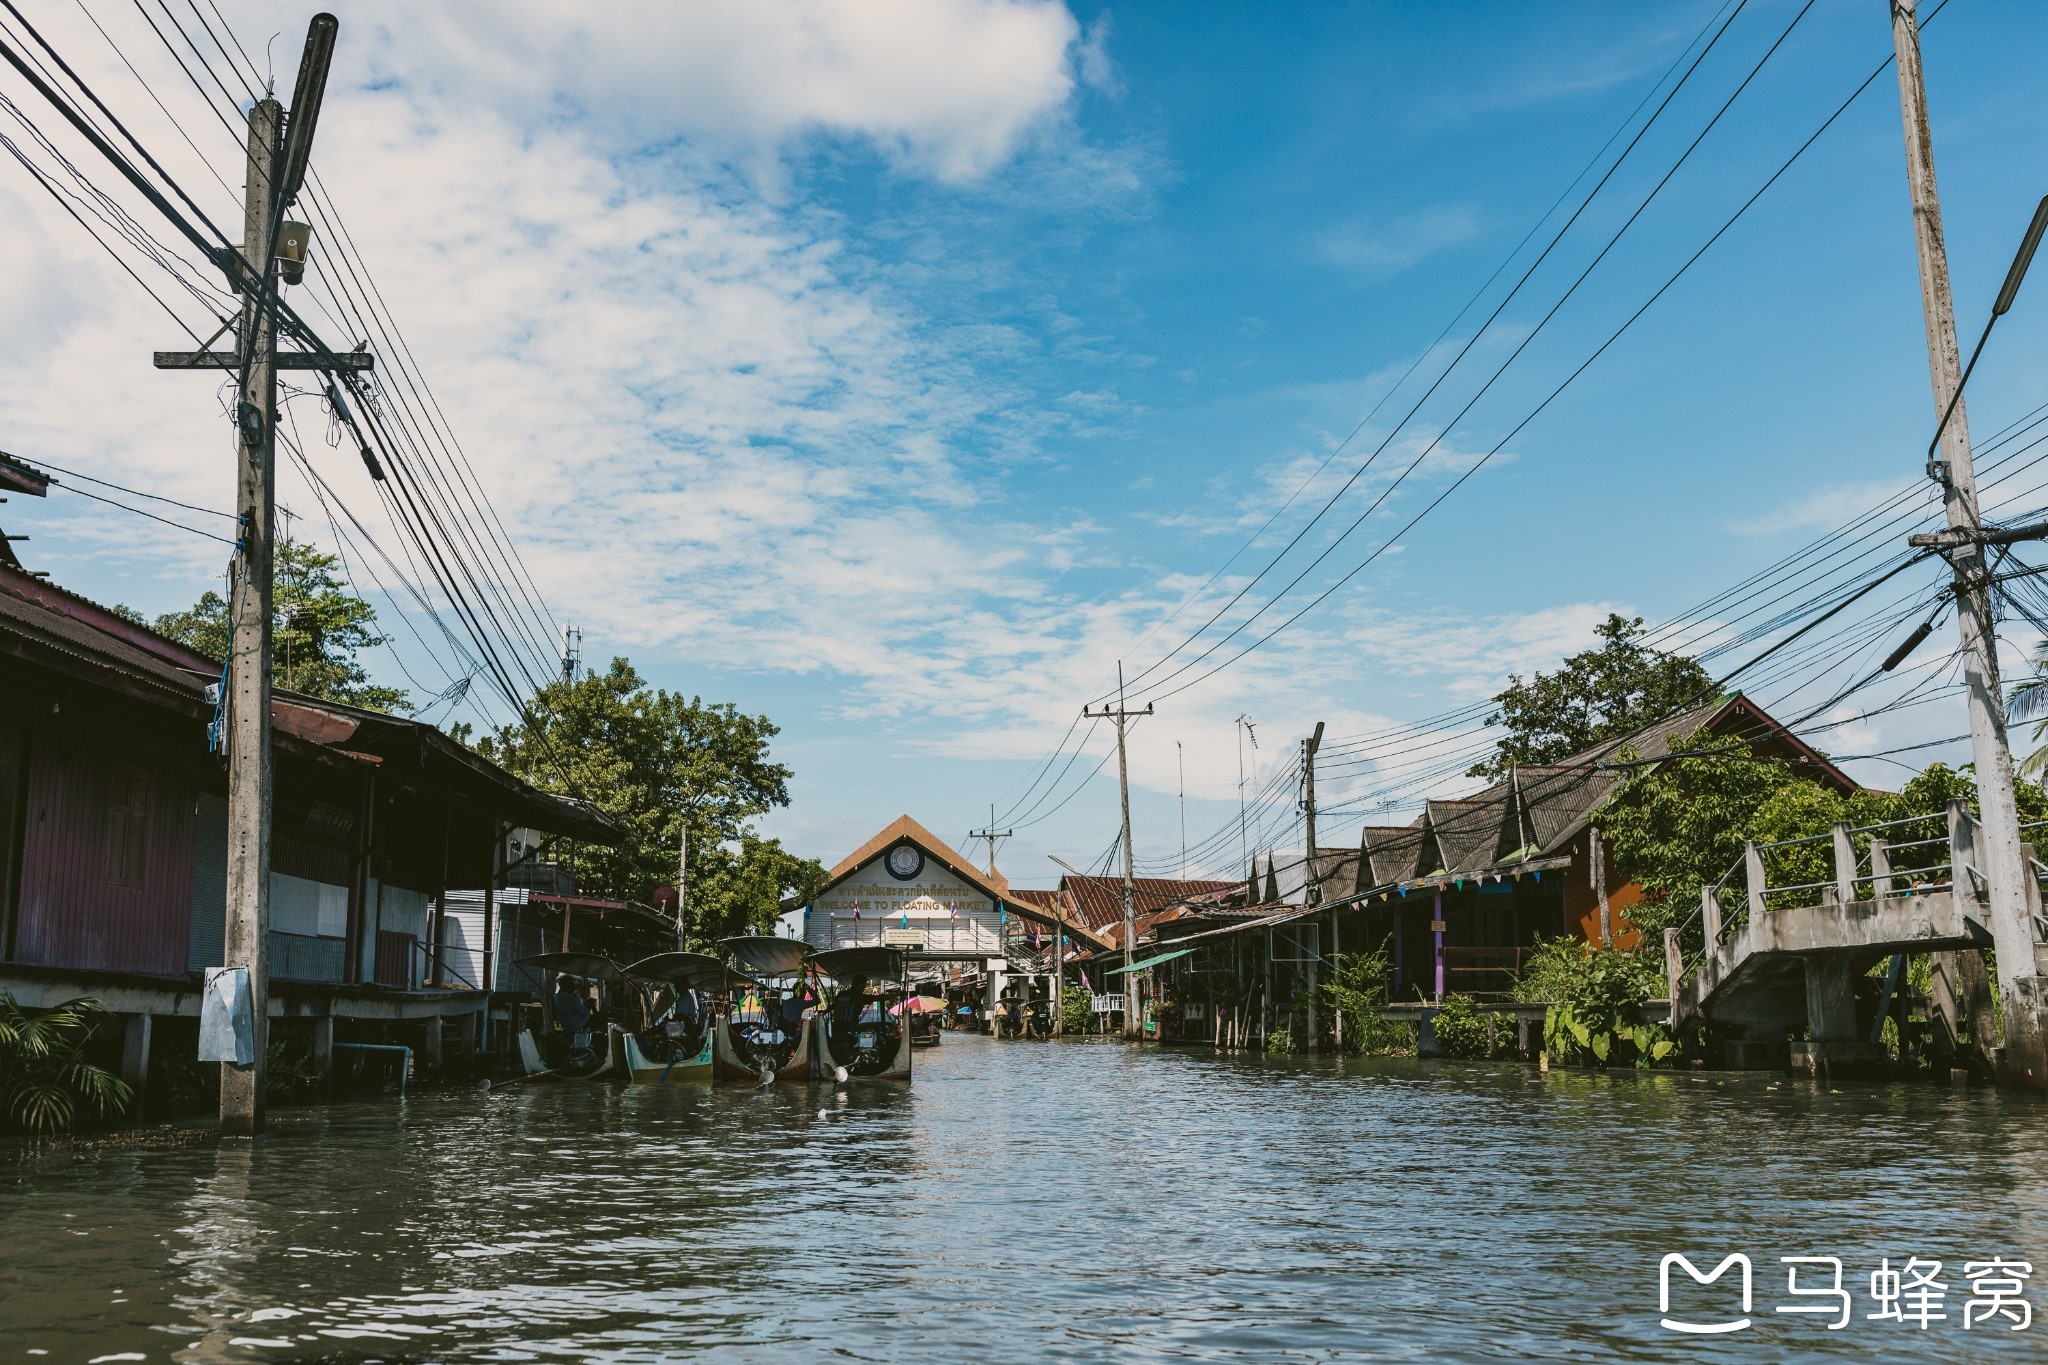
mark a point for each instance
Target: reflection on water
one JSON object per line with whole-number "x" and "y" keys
{"x": 1077, "y": 1199}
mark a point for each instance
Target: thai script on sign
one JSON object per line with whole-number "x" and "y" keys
{"x": 1917, "y": 1292}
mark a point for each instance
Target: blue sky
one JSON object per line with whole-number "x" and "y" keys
{"x": 895, "y": 369}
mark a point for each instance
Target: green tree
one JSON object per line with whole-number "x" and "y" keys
{"x": 319, "y": 628}
{"x": 1598, "y": 694}
{"x": 1680, "y": 826}
{"x": 658, "y": 763}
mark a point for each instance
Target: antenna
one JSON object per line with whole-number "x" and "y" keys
{"x": 572, "y": 653}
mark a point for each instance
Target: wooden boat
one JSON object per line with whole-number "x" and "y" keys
{"x": 767, "y": 1035}
{"x": 682, "y": 997}
{"x": 587, "y": 1055}
{"x": 864, "y": 1029}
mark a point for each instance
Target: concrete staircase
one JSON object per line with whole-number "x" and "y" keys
{"x": 1788, "y": 957}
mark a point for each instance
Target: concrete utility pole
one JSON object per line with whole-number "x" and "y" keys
{"x": 1133, "y": 1026}
{"x": 1312, "y": 889}
{"x": 1312, "y": 885}
{"x": 271, "y": 249}
{"x": 991, "y": 834}
{"x": 248, "y": 737}
{"x": 2021, "y": 1061}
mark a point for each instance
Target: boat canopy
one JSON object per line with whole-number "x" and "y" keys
{"x": 575, "y": 964}
{"x": 692, "y": 971}
{"x": 766, "y": 954}
{"x": 876, "y": 964}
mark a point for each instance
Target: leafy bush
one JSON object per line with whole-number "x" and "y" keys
{"x": 1460, "y": 1028}
{"x": 1357, "y": 985}
{"x": 1595, "y": 994}
{"x": 44, "y": 1077}
{"x": 1077, "y": 1011}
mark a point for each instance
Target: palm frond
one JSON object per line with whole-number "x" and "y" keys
{"x": 40, "y": 1106}
{"x": 99, "y": 1087}
{"x": 2028, "y": 700}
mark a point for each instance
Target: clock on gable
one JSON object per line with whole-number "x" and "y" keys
{"x": 904, "y": 862}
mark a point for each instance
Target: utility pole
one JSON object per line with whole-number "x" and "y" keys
{"x": 1244, "y": 848}
{"x": 2022, "y": 1061}
{"x": 276, "y": 167}
{"x": 1133, "y": 1028}
{"x": 1312, "y": 888}
{"x": 682, "y": 885}
{"x": 1312, "y": 885}
{"x": 991, "y": 834}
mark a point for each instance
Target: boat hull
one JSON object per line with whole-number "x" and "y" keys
{"x": 730, "y": 1064}
{"x": 534, "y": 1060}
{"x": 898, "y": 1070}
{"x": 640, "y": 1069}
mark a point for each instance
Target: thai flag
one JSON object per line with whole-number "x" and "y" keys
{"x": 856, "y": 909}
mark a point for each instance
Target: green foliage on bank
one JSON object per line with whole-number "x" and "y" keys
{"x": 1460, "y": 1028}
{"x": 1077, "y": 1011}
{"x": 1595, "y": 996}
{"x": 45, "y": 1079}
{"x": 1356, "y": 984}
{"x": 1680, "y": 827}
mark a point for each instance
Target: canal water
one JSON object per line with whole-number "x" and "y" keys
{"x": 1079, "y": 1200}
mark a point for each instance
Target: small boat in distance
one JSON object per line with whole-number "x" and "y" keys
{"x": 683, "y": 996}
{"x": 766, "y": 1035}
{"x": 865, "y": 1025}
{"x": 567, "y": 1053}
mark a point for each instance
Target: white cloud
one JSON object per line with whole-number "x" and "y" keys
{"x": 1381, "y": 246}
{"x": 947, "y": 86}
{"x": 1826, "y": 507}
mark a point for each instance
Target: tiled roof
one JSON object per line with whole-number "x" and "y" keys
{"x": 1551, "y": 804}
{"x": 61, "y": 630}
{"x": 1099, "y": 901}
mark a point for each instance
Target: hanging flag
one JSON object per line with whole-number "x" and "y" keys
{"x": 952, "y": 910}
{"x": 906, "y": 920}
{"x": 856, "y": 909}
{"x": 1084, "y": 980}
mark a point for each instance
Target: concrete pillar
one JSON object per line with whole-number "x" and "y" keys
{"x": 1831, "y": 1038}
{"x": 430, "y": 1049}
{"x": 323, "y": 1047}
{"x": 1830, "y": 999}
{"x": 135, "y": 1039}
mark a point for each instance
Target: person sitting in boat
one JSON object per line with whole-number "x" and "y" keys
{"x": 572, "y": 1009}
{"x": 847, "y": 1009}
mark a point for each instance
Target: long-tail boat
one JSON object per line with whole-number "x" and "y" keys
{"x": 766, "y": 1035}
{"x": 683, "y": 997}
{"x": 584, "y": 1054}
{"x": 864, "y": 1028}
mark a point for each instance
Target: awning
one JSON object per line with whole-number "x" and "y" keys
{"x": 1143, "y": 963}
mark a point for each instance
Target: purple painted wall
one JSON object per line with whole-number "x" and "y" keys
{"x": 106, "y": 868}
